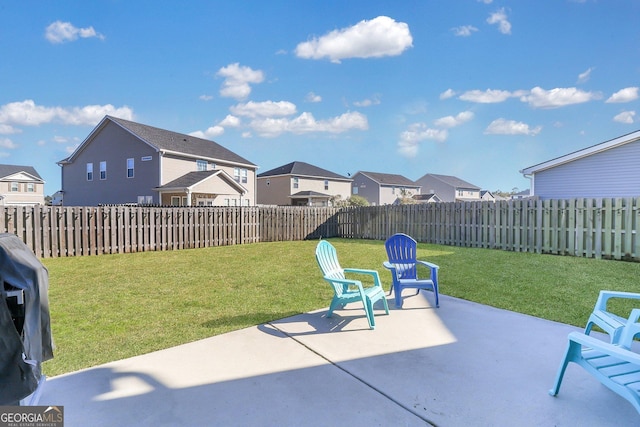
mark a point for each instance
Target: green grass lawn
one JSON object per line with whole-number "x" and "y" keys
{"x": 110, "y": 307}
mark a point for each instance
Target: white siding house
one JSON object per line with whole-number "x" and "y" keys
{"x": 608, "y": 169}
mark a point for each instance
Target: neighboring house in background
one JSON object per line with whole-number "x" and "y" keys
{"x": 426, "y": 198}
{"x": 488, "y": 196}
{"x": 126, "y": 162}
{"x": 20, "y": 185}
{"x": 524, "y": 194}
{"x": 608, "y": 169}
{"x": 382, "y": 188}
{"x": 301, "y": 184}
{"x": 449, "y": 188}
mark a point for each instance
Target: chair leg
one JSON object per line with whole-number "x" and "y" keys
{"x": 398, "y": 296}
{"x": 368, "y": 308}
{"x": 572, "y": 348}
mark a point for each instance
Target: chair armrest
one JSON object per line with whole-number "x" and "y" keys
{"x": 428, "y": 264}
{"x": 610, "y": 349}
{"x": 374, "y": 273}
{"x": 604, "y": 296}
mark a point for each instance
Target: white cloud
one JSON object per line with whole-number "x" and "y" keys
{"x": 8, "y": 129}
{"x": 210, "y": 133}
{"x": 237, "y": 79}
{"x": 626, "y": 117}
{"x": 374, "y": 100}
{"x": 489, "y": 96}
{"x": 27, "y": 113}
{"x": 264, "y": 109}
{"x": 453, "y": 121}
{"x": 464, "y": 31}
{"x": 306, "y": 123}
{"x": 205, "y": 97}
{"x": 485, "y": 1}
{"x": 381, "y": 36}
{"x": 558, "y": 97}
{"x": 584, "y": 77}
{"x": 230, "y": 121}
{"x": 624, "y": 95}
{"x": 61, "y": 32}
{"x": 499, "y": 17}
{"x": 7, "y": 143}
{"x": 312, "y": 97}
{"x": 511, "y": 127}
{"x": 411, "y": 138}
{"x": 449, "y": 93}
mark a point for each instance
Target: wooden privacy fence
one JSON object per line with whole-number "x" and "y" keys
{"x": 593, "y": 228}
{"x": 75, "y": 231}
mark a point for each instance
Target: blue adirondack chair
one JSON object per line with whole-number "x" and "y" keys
{"x": 609, "y": 322}
{"x": 401, "y": 251}
{"x": 348, "y": 290}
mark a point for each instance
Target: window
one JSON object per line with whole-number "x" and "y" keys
{"x": 175, "y": 200}
{"x": 14, "y": 186}
{"x": 460, "y": 193}
{"x": 355, "y": 190}
{"x": 89, "y": 171}
{"x": 243, "y": 174}
{"x": 145, "y": 200}
{"x": 130, "y": 165}
{"x": 295, "y": 182}
{"x": 103, "y": 170}
{"x": 201, "y": 165}
{"x": 326, "y": 184}
{"x": 30, "y": 187}
{"x": 393, "y": 190}
{"x": 236, "y": 174}
{"x": 146, "y": 158}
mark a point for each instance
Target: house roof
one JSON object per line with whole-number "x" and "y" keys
{"x": 7, "y": 170}
{"x": 304, "y": 194}
{"x": 603, "y": 146}
{"x": 451, "y": 181}
{"x": 426, "y": 197}
{"x": 302, "y": 169}
{"x": 173, "y": 142}
{"x": 389, "y": 179}
{"x": 192, "y": 178}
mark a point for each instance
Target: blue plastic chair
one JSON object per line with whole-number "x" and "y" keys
{"x": 401, "y": 251}
{"x": 609, "y": 322}
{"x": 347, "y": 290}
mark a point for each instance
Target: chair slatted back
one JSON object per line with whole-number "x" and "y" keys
{"x": 402, "y": 251}
{"x": 328, "y": 261}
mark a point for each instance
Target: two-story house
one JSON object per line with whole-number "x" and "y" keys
{"x": 449, "y": 188}
{"x": 383, "y": 188}
{"x": 301, "y": 184}
{"x": 126, "y": 162}
{"x": 20, "y": 185}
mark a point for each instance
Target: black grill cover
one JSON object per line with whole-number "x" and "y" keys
{"x": 21, "y": 354}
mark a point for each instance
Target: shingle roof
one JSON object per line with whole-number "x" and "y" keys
{"x": 390, "y": 179}
{"x": 189, "y": 179}
{"x": 179, "y": 142}
{"x": 452, "y": 181}
{"x": 309, "y": 194}
{"x": 301, "y": 169}
{"x": 6, "y": 170}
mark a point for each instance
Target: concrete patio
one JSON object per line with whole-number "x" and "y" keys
{"x": 463, "y": 364}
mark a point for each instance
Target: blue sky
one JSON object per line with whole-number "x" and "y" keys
{"x": 478, "y": 89}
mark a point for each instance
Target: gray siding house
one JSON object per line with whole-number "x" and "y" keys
{"x": 301, "y": 184}
{"x": 126, "y": 162}
{"x": 449, "y": 188}
{"x": 382, "y": 188}
{"x": 608, "y": 169}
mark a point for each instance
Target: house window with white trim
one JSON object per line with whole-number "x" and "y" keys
{"x": 236, "y": 174}
{"x": 201, "y": 165}
{"x": 326, "y": 184}
{"x": 296, "y": 182}
{"x": 243, "y": 176}
{"x": 30, "y": 187}
{"x": 130, "y": 166}
{"x": 89, "y": 171}
{"x": 103, "y": 170}
{"x": 14, "y": 186}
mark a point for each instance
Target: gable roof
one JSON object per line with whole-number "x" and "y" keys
{"x": 6, "y": 170}
{"x": 192, "y": 178}
{"x": 170, "y": 142}
{"x": 302, "y": 169}
{"x": 389, "y": 179}
{"x": 594, "y": 149}
{"x": 451, "y": 181}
